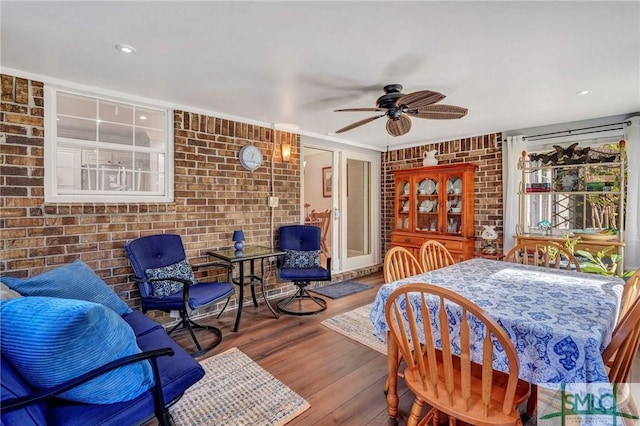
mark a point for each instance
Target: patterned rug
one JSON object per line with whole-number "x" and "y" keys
{"x": 356, "y": 325}
{"x": 237, "y": 391}
{"x": 341, "y": 289}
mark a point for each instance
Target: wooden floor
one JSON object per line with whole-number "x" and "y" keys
{"x": 341, "y": 379}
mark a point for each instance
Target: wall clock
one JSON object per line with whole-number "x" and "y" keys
{"x": 250, "y": 157}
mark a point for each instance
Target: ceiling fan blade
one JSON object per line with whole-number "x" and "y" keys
{"x": 359, "y": 109}
{"x": 420, "y": 99}
{"x": 438, "y": 112}
{"x": 359, "y": 123}
{"x": 400, "y": 126}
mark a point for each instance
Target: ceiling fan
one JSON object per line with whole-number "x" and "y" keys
{"x": 398, "y": 107}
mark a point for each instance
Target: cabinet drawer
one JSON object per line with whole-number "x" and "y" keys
{"x": 453, "y": 245}
{"x": 406, "y": 240}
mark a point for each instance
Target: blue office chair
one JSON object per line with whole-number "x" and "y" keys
{"x": 301, "y": 265}
{"x": 167, "y": 283}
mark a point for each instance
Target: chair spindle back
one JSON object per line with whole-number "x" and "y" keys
{"x": 400, "y": 263}
{"x": 434, "y": 255}
{"x": 545, "y": 254}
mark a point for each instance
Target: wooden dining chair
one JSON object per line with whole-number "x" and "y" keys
{"x": 434, "y": 255}
{"x": 400, "y": 263}
{"x": 546, "y": 254}
{"x": 447, "y": 381}
{"x": 620, "y": 356}
{"x": 630, "y": 293}
{"x": 621, "y": 351}
{"x": 323, "y": 220}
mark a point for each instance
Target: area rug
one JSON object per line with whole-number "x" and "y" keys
{"x": 341, "y": 289}
{"x": 356, "y": 325}
{"x": 237, "y": 391}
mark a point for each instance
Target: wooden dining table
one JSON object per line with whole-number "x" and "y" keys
{"x": 559, "y": 321}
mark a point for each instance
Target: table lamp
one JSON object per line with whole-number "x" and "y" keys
{"x": 489, "y": 235}
{"x": 238, "y": 237}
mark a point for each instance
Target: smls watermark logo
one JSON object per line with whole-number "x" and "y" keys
{"x": 588, "y": 404}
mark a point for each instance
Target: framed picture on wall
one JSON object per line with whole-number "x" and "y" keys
{"x": 326, "y": 181}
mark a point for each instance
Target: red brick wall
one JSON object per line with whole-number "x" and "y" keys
{"x": 213, "y": 196}
{"x": 485, "y": 151}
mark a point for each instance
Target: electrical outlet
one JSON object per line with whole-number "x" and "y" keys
{"x": 273, "y": 201}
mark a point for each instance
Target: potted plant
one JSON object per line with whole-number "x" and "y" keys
{"x": 603, "y": 263}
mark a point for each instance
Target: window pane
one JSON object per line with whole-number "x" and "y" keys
{"x": 153, "y": 139}
{"x": 116, "y": 112}
{"x": 116, "y": 133}
{"x": 76, "y": 128}
{"x": 150, "y": 118}
{"x": 75, "y": 105}
{"x": 68, "y": 172}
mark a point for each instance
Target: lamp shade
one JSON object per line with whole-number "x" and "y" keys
{"x": 238, "y": 237}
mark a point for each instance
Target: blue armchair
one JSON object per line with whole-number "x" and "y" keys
{"x": 167, "y": 283}
{"x": 301, "y": 265}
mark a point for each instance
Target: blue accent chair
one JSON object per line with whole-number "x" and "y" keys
{"x": 302, "y": 242}
{"x": 158, "y": 251}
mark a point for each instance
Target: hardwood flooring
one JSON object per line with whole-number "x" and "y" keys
{"x": 342, "y": 380}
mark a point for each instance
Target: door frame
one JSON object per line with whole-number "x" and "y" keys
{"x": 348, "y": 264}
{"x": 340, "y": 262}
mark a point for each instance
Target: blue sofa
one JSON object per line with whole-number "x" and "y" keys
{"x": 172, "y": 368}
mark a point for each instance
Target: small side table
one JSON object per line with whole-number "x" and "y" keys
{"x": 497, "y": 256}
{"x": 239, "y": 257}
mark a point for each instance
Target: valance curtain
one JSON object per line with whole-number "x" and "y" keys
{"x": 512, "y": 150}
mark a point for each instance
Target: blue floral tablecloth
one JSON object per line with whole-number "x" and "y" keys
{"x": 559, "y": 321}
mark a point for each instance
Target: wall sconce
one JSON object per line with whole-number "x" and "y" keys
{"x": 286, "y": 151}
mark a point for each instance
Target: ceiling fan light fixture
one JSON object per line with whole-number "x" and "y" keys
{"x": 399, "y": 126}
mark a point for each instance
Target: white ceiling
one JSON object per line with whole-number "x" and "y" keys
{"x": 512, "y": 64}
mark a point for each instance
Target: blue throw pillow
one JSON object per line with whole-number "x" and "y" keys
{"x": 166, "y": 288}
{"x": 301, "y": 259}
{"x": 51, "y": 340}
{"x": 75, "y": 280}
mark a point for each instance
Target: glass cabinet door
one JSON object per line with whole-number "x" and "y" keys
{"x": 427, "y": 204}
{"x": 403, "y": 204}
{"x": 454, "y": 204}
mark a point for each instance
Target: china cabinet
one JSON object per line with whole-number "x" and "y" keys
{"x": 582, "y": 199}
{"x": 435, "y": 203}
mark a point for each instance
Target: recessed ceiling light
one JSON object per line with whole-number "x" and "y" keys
{"x": 330, "y": 134}
{"x": 582, "y": 92}
{"x": 143, "y": 117}
{"x": 125, "y": 48}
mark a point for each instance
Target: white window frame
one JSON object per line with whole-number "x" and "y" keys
{"x": 53, "y": 144}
